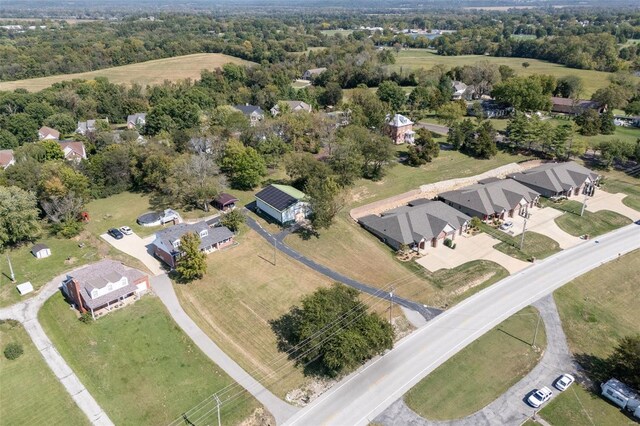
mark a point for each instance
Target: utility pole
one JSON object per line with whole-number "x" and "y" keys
{"x": 390, "y": 303}
{"x": 13, "y": 276}
{"x": 535, "y": 335}
{"x": 275, "y": 243}
{"x": 524, "y": 229}
{"x": 584, "y": 203}
{"x": 218, "y": 405}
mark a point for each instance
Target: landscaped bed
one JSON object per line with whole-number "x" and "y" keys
{"x": 482, "y": 371}
{"x": 30, "y": 394}
{"x": 138, "y": 365}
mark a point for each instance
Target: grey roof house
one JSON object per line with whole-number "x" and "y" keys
{"x": 166, "y": 245}
{"x": 492, "y": 198}
{"x": 252, "y": 112}
{"x": 294, "y": 106}
{"x": 555, "y": 179}
{"x": 420, "y": 223}
{"x": 137, "y": 119}
{"x": 313, "y": 72}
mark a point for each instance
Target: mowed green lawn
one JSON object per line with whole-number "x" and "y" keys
{"x": 143, "y": 73}
{"x": 119, "y": 210}
{"x": 65, "y": 255}
{"x": 242, "y": 291}
{"x": 30, "y": 394}
{"x": 535, "y": 245}
{"x": 482, "y": 371}
{"x": 596, "y": 309}
{"x": 139, "y": 365}
{"x": 592, "y": 223}
{"x": 411, "y": 59}
{"x": 616, "y": 181}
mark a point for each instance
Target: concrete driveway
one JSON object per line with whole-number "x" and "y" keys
{"x": 139, "y": 248}
{"x": 479, "y": 246}
{"x": 603, "y": 200}
{"x": 542, "y": 221}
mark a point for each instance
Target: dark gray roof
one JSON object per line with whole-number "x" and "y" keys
{"x": 556, "y": 177}
{"x": 410, "y": 224}
{"x": 166, "y": 237}
{"x": 491, "y": 197}
{"x": 37, "y": 247}
{"x": 100, "y": 274}
{"x": 276, "y": 198}
{"x": 249, "y": 109}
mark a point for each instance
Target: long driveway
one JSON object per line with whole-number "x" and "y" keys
{"x": 509, "y": 408}
{"x": 363, "y": 395}
{"x": 426, "y": 311}
{"x": 27, "y": 313}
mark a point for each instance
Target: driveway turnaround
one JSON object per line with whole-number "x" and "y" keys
{"x": 136, "y": 247}
{"x": 27, "y": 313}
{"x": 603, "y": 200}
{"x": 510, "y": 408}
{"x": 362, "y": 396}
{"x": 479, "y": 246}
{"x": 426, "y": 311}
{"x": 163, "y": 288}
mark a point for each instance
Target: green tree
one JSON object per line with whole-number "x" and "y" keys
{"x": 62, "y": 122}
{"x": 232, "y": 220}
{"x": 377, "y": 152}
{"x": 19, "y": 216}
{"x": 589, "y": 122}
{"x": 484, "y": 144}
{"x": 425, "y": 148}
{"x": 523, "y": 93}
{"x": 366, "y": 109}
{"x": 625, "y": 360}
{"x": 243, "y": 166}
{"x": 346, "y": 161}
{"x": 7, "y": 140}
{"x": 451, "y": 112}
{"x": 52, "y": 150}
{"x": 562, "y": 135}
{"x": 570, "y": 86}
{"x": 389, "y": 92}
{"x": 325, "y": 200}
{"x": 192, "y": 262}
{"x": 518, "y": 129}
{"x": 23, "y": 127}
{"x": 39, "y": 111}
{"x": 339, "y": 351}
{"x": 331, "y": 95}
{"x": 607, "y": 127}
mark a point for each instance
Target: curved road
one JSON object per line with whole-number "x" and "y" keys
{"x": 363, "y": 395}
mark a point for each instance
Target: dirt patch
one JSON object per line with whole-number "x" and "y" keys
{"x": 310, "y": 391}
{"x": 70, "y": 260}
{"x": 473, "y": 284}
{"x": 401, "y": 328}
{"x": 259, "y": 417}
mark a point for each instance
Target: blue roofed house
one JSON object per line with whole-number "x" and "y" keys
{"x": 166, "y": 245}
{"x": 283, "y": 203}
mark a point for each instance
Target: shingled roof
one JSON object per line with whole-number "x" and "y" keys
{"x": 421, "y": 219}
{"x": 556, "y": 177}
{"x": 166, "y": 237}
{"x": 491, "y": 196}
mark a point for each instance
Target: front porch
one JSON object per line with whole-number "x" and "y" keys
{"x": 113, "y": 305}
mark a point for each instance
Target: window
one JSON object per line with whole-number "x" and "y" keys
{"x": 204, "y": 233}
{"x": 176, "y": 243}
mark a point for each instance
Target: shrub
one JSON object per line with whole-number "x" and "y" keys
{"x": 13, "y": 350}
{"x": 448, "y": 242}
{"x": 86, "y": 318}
{"x": 453, "y": 246}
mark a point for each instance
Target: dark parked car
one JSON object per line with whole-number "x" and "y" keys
{"x": 115, "y": 233}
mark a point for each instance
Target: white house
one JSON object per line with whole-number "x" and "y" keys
{"x": 138, "y": 119}
{"x": 283, "y": 203}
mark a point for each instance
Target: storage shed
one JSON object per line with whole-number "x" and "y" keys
{"x": 40, "y": 251}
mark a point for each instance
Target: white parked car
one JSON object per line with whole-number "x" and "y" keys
{"x": 539, "y": 397}
{"x": 126, "y": 230}
{"x": 508, "y": 224}
{"x": 564, "y": 382}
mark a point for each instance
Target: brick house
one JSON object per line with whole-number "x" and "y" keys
{"x": 166, "y": 245}
{"x": 400, "y": 129}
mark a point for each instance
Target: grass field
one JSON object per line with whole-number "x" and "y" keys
{"x": 481, "y": 372}
{"x": 596, "y": 309}
{"x": 138, "y": 364}
{"x": 331, "y": 33}
{"x": 144, "y": 73}
{"x": 535, "y": 245}
{"x": 29, "y": 392}
{"x": 411, "y": 59}
{"x": 592, "y": 223}
{"x": 258, "y": 293}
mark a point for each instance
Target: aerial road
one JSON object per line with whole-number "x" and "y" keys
{"x": 360, "y": 397}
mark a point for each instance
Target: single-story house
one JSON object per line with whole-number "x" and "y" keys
{"x": 313, "y": 72}
{"x": 166, "y": 245}
{"x": 492, "y": 109}
{"x": 461, "y": 91}
{"x": 557, "y": 179}
{"x": 47, "y": 133}
{"x": 225, "y": 202}
{"x": 103, "y": 286}
{"x": 6, "y": 158}
{"x": 40, "y": 251}
{"x": 252, "y": 112}
{"x": 73, "y": 151}
{"x": 417, "y": 225}
{"x": 136, "y": 120}
{"x": 400, "y": 129}
{"x": 492, "y": 198}
{"x": 283, "y": 203}
{"x": 574, "y": 106}
{"x": 85, "y": 127}
{"x": 294, "y": 106}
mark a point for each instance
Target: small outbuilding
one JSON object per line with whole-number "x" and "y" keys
{"x": 40, "y": 251}
{"x": 225, "y": 202}
{"x": 24, "y": 288}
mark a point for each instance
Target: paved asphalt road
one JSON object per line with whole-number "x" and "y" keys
{"x": 360, "y": 397}
{"x": 426, "y": 311}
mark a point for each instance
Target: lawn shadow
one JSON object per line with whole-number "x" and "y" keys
{"x": 596, "y": 370}
{"x": 306, "y": 233}
{"x": 515, "y": 337}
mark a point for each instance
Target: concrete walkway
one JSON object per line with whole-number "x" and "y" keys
{"x": 27, "y": 313}
{"x": 163, "y": 288}
{"x": 510, "y": 408}
{"x": 426, "y": 311}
